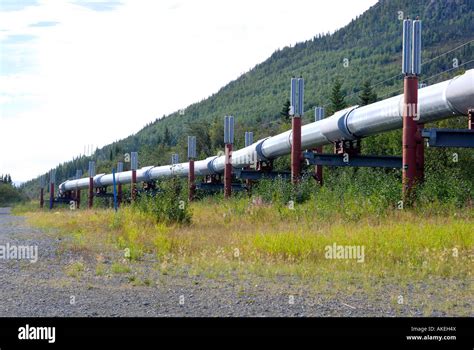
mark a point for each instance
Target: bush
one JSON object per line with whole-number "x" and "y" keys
{"x": 281, "y": 191}
{"x": 445, "y": 187}
{"x": 348, "y": 191}
{"x": 169, "y": 205}
{"x": 10, "y": 195}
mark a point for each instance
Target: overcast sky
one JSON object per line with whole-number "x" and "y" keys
{"x": 74, "y": 73}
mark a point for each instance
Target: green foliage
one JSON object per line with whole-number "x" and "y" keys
{"x": 120, "y": 268}
{"x": 9, "y": 194}
{"x": 285, "y": 111}
{"x": 6, "y": 179}
{"x": 337, "y": 98}
{"x": 167, "y": 137}
{"x": 282, "y": 192}
{"x": 447, "y": 187}
{"x": 367, "y": 95}
{"x": 355, "y": 193}
{"x": 169, "y": 206}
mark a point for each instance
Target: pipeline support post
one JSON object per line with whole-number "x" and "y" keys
{"x": 470, "y": 124}
{"x": 296, "y": 111}
{"x": 409, "y": 136}
{"x": 91, "y": 184}
{"x": 295, "y": 149}
{"x": 228, "y": 141}
{"x": 411, "y": 67}
{"x": 134, "y": 167}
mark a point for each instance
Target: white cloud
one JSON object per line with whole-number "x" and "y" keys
{"x": 101, "y": 75}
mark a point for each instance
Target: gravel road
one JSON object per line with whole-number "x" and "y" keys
{"x": 45, "y": 289}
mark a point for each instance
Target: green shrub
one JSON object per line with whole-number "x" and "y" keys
{"x": 10, "y": 195}
{"x": 169, "y": 205}
{"x": 445, "y": 187}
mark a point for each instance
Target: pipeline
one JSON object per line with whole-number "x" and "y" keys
{"x": 436, "y": 102}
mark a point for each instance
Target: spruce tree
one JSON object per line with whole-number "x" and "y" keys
{"x": 285, "y": 112}
{"x": 367, "y": 95}
{"x": 167, "y": 137}
{"x": 337, "y": 97}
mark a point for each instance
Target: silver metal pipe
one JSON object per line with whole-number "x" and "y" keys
{"x": 440, "y": 101}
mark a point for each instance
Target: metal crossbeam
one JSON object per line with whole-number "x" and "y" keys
{"x": 63, "y": 200}
{"x": 449, "y": 137}
{"x": 258, "y": 175}
{"x": 215, "y": 187}
{"x": 353, "y": 160}
{"x": 103, "y": 195}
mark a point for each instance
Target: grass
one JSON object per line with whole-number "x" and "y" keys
{"x": 269, "y": 239}
{"x": 423, "y": 254}
{"x": 75, "y": 269}
{"x": 100, "y": 269}
{"x": 120, "y": 268}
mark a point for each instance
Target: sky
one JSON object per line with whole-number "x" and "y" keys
{"x": 76, "y": 73}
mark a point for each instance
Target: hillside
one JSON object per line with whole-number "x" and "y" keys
{"x": 371, "y": 43}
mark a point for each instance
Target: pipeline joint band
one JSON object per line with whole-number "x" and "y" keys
{"x": 210, "y": 166}
{"x": 344, "y": 128}
{"x": 259, "y": 151}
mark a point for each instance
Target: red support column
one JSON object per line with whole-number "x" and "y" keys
{"x": 41, "y": 197}
{"x": 191, "y": 181}
{"x": 228, "y": 171}
{"x": 133, "y": 187}
{"x": 410, "y": 111}
{"x": 91, "y": 193}
{"x": 296, "y": 149}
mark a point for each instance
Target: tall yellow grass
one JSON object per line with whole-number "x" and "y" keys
{"x": 238, "y": 236}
